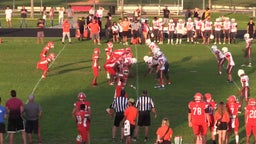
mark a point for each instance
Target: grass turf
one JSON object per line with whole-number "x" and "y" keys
{"x": 193, "y": 69}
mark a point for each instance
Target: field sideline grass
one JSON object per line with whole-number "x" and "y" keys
{"x": 193, "y": 69}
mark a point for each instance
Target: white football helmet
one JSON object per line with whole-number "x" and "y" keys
{"x": 214, "y": 47}
{"x": 211, "y": 36}
{"x": 224, "y": 49}
{"x": 180, "y": 20}
{"x": 240, "y": 72}
{"x": 155, "y": 50}
{"x": 145, "y": 58}
{"x": 152, "y": 35}
{"x": 160, "y": 19}
{"x": 246, "y": 36}
{"x": 159, "y": 53}
{"x": 148, "y": 41}
{"x": 233, "y": 20}
{"x": 134, "y": 61}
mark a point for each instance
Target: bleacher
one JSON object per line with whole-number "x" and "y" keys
{"x": 39, "y": 9}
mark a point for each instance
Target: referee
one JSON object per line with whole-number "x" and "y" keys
{"x": 145, "y": 105}
{"x": 119, "y": 105}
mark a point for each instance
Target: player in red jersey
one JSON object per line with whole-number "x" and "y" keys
{"x": 108, "y": 52}
{"x": 247, "y": 50}
{"x": 198, "y": 118}
{"x": 211, "y": 107}
{"x": 83, "y": 122}
{"x": 46, "y": 49}
{"x": 250, "y": 120}
{"x": 95, "y": 66}
{"x": 82, "y": 100}
{"x": 44, "y": 63}
{"x": 233, "y": 107}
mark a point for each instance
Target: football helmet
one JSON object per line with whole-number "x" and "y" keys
{"x": 148, "y": 41}
{"x": 240, "y": 72}
{"x": 128, "y": 49}
{"x": 145, "y": 58}
{"x": 159, "y": 53}
{"x": 208, "y": 97}
{"x": 50, "y": 44}
{"x": 189, "y": 19}
{"x": 96, "y": 50}
{"x": 51, "y": 56}
{"x": 233, "y": 20}
{"x": 198, "y": 96}
{"x": 246, "y": 36}
{"x": 232, "y": 99}
{"x": 81, "y": 96}
{"x": 110, "y": 44}
{"x": 224, "y": 49}
{"x": 134, "y": 61}
{"x": 214, "y": 47}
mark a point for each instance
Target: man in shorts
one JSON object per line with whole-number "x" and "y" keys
{"x": 33, "y": 113}
{"x": 8, "y": 16}
{"x": 40, "y": 31}
{"x": 94, "y": 29}
{"x": 15, "y": 108}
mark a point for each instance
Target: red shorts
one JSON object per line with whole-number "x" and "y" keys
{"x": 250, "y": 128}
{"x": 43, "y": 67}
{"x": 199, "y": 128}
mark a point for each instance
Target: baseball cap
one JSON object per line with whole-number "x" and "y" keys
{"x": 131, "y": 100}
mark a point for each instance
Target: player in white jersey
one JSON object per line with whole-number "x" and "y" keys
{"x": 217, "y": 30}
{"x": 233, "y": 31}
{"x": 162, "y": 70}
{"x": 245, "y": 90}
{"x": 161, "y": 31}
{"x": 197, "y": 25}
{"x": 226, "y": 30}
{"x": 207, "y": 31}
{"x": 247, "y": 50}
{"x": 155, "y": 29}
{"x": 171, "y": 29}
{"x": 230, "y": 64}
{"x": 180, "y": 30}
{"x": 190, "y": 30}
{"x": 220, "y": 58}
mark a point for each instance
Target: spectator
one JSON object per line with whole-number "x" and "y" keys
{"x": 44, "y": 15}
{"x": 23, "y": 14}
{"x": 66, "y": 31}
{"x": 3, "y": 115}
{"x": 137, "y": 13}
{"x": 8, "y": 16}
{"x": 119, "y": 105}
{"x": 77, "y": 107}
{"x": 196, "y": 13}
{"x": 91, "y": 11}
{"x": 251, "y": 28}
{"x": 94, "y": 29}
{"x": 40, "y": 31}
{"x": 145, "y": 30}
{"x": 221, "y": 117}
{"x": 99, "y": 13}
{"x": 81, "y": 26}
{"x": 166, "y": 14}
{"x": 188, "y": 14}
{"x": 61, "y": 15}
{"x": 129, "y": 120}
{"x": 15, "y": 108}
{"x": 125, "y": 26}
{"x": 164, "y": 132}
{"x": 70, "y": 15}
{"x": 33, "y": 114}
{"x": 115, "y": 32}
{"x": 108, "y": 26}
{"x": 120, "y": 29}
{"x": 51, "y": 16}
{"x": 135, "y": 30}
{"x": 207, "y": 14}
{"x": 145, "y": 105}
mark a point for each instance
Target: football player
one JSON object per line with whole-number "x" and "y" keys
{"x": 43, "y": 64}
{"x": 95, "y": 66}
{"x": 250, "y": 120}
{"x": 226, "y": 30}
{"x": 220, "y": 58}
{"x": 233, "y": 31}
{"x": 230, "y": 64}
{"x": 198, "y": 118}
{"x": 190, "y": 30}
{"x": 217, "y": 30}
{"x": 247, "y": 50}
{"x": 245, "y": 89}
{"x": 46, "y": 49}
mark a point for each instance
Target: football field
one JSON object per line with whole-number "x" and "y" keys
{"x": 193, "y": 68}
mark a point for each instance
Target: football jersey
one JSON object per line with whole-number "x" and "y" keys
{"x": 218, "y": 54}
{"x": 226, "y": 25}
{"x": 229, "y": 57}
{"x": 244, "y": 81}
{"x": 190, "y": 26}
{"x": 217, "y": 26}
{"x": 233, "y": 108}
{"x": 180, "y": 28}
{"x": 82, "y": 119}
{"x": 155, "y": 24}
{"x": 171, "y": 26}
{"x": 248, "y": 42}
{"x": 250, "y": 112}
{"x": 95, "y": 58}
{"x": 208, "y": 25}
{"x": 233, "y": 27}
{"x": 86, "y": 103}
{"x": 198, "y": 111}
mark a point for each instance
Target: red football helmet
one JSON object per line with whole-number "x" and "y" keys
{"x": 252, "y": 101}
{"x": 50, "y": 44}
{"x": 198, "y": 96}
{"x": 208, "y": 97}
{"x": 128, "y": 49}
{"x": 232, "y": 99}
{"x": 96, "y": 50}
{"x": 110, "y": 44}
{"x": 81, "y": 96}
{"x": 51, "y": 56}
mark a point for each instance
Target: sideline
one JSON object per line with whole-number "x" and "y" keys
{"x": 38, "y": 82}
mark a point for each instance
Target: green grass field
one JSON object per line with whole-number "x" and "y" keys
{"x": 193, "y": 69}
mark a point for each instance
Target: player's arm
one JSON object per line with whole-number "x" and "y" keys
{"x": 154, "y": 111}
{"x": 189, "y": 118}
{"x": 74, "y": 113}
{"x": 207, "y": 116}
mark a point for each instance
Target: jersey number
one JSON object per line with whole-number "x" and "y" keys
{"x": 197, "y": 111}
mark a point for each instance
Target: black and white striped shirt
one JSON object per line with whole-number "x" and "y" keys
{"x": 120, "y": 104}
{"x": 144, "y": 103}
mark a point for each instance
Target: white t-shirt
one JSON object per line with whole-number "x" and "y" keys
{"x": 8, "y": 13}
